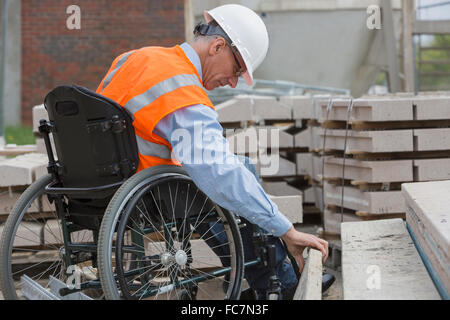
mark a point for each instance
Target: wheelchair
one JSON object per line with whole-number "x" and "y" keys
{"x": 120, "y": 234}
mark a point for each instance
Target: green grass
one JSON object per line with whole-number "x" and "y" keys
{"x": 19, "y": 135}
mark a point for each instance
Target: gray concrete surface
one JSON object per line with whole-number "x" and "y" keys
{"x": 11, "y": 99}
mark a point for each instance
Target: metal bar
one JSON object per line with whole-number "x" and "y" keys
{"x": 435, "y": 73}
{"x": 34, "y": 291}
{"x": 435, "y": 48}
{"x": 434, "y": 61}
{"x": 57, "y": 190}
{"x": 416, "y": 72}
{"x": 390, "y": 45}
{"x": 301, "y": 86}
{"x": 431, "y": 27}
{"x": 56, "y": 285}
{"x": 82, "y": 247}
{"x": 408, "y": 51}
{"x": 434, "y": 5}
{"x": 3, "y": 62}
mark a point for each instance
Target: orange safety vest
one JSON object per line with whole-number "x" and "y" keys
{"x": 150, "y": 83}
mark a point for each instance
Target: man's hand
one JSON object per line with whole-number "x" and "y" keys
{"x": 296, "y": 243}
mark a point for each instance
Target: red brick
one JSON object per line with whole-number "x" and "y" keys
{"x": 54, "y": 55}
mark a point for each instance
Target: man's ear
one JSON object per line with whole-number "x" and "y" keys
{"x": 217, "y": 46}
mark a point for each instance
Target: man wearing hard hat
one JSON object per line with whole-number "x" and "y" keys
{"x": 164, "y": 90}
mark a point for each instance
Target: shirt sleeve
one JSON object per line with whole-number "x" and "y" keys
{"x": 199, "y": 145}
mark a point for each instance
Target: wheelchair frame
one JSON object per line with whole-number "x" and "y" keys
{"x": 55, "y": 192}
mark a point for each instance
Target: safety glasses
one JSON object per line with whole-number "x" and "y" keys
{"x": 240, "y": 71}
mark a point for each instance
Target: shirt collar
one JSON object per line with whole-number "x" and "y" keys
{"x": 193, "y": 57}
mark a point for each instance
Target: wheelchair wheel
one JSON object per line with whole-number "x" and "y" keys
{"x": 162, "y": 238}
{"x": 32, "y": 245}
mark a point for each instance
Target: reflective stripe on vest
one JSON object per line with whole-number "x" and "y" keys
{"x": 118, "y": 65}
{"x": 146, "y": 98}
{"x": 151, "y": 149}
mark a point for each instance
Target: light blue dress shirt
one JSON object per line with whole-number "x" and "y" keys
{"x": 227, "y": 182}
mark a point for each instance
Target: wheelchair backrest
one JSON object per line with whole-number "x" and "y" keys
{"x": 94, "y": 138}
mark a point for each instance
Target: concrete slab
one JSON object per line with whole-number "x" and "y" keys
{"x": 290, "y": 206}
{"x": 428, "y": 216}
{"x": 367, "y": 141}
{"x": 234, "y": 110}
{"x": 432, "y": 108}
{"x": 267, "y": 108}
{"x": 22, "y": 170}
{"x": 280, "y": 188}
{"x": 370, "y": 171}
{"x": 29, "y": 234}
{"x": 302, "y": 106}
{"x": 303, "y": 138}
{"x": 318, "y": 197}
{"x": 256, "y": 108}
{"x": 274, "y": 137}
{"x": 304, "y": 164}
{"x": 333, "y": 220}
{"x": 310, "y": 283}
{"x": 315, "y": 142}
{"x": 380, "y": 202}
{"x": 8, "y": 200}
{"x": 379, "y": 261}
{"x": 317, "y": 165}
{"x": 275, "y": 166}
{"x": 385, "y": 140}
{"x": 309, "y": 196}
{"x": 432, "y": 139}
{"x": 243, "y": 141}
{"x": 432, "y": 169}
{"x": 377, "y": 109}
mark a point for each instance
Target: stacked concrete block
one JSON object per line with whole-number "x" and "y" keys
{"x": 390, "y": 140}
{"x": 333, "y": 220}
{"x": 300, "y": 105}
{"x": 29, "y": 234}
{"x": 280, "y": 126}
{"x": 290, "y": 206}
{"x": 374, "y": 202}
{"x": 22, "y": 170}
{"x": 9, "y": 197}
{"x": 376, "y": 109}
{"x": 253, "y": 108}
{"x": 303, "y": 138}
{"x": 16, "y": 174}
{"x": 280, "y": 188}
{"x": 273, "y": 166}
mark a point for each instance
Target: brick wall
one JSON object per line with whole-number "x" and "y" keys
{"x": 53, "y": 55}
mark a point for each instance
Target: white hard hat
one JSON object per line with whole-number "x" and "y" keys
{"x": 247, "y": 32}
